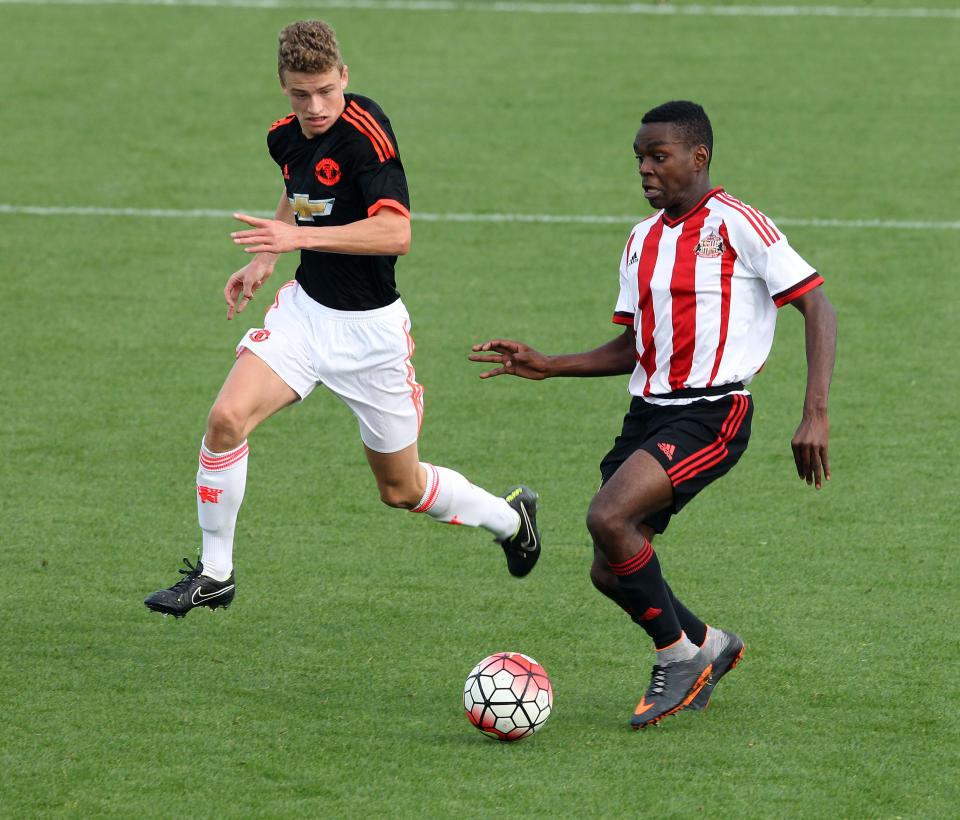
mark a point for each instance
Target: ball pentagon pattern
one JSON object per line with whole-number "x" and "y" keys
{"x": 508, "y": 696}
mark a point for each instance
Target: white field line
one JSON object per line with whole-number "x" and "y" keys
{"x": 508, "y": 7}
{"x": 562, "y": 219}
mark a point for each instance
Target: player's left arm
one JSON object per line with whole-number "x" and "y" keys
{"x": 386, "y": 233}
{"x": 810, "y": 442}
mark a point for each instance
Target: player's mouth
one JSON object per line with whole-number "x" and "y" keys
{"x": 649, "y": 192}
{"x": 317, "y": 122}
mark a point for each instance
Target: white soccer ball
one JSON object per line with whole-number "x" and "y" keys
{"x": 508, "y": 696}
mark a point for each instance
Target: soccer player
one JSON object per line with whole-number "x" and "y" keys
{"x": 700, "y": 284}
{"x": 340, "y": 323}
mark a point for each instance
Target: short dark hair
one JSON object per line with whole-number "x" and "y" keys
{"x": 689, "y": 119}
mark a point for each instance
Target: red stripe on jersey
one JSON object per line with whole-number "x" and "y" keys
{"x": 282, "y": 121}
{"x": 726, "y": 275}
{"x": 683, "y": 300}
{"x": 814, "y": 280}
{"x": 360, "y": 127}
{"x": 646, "y": 349}
{"x": 375, "y": 128}
{"x": 388, "y": 203}
{"x": 768, "y": 235}
{"x": 713, "y": 453}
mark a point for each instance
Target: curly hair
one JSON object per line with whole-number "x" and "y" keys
{"x": 309, "y": 46}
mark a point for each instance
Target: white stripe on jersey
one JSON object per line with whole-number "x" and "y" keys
{"x": 702, "y": 293}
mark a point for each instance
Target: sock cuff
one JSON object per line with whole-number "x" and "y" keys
{"x": 636, "y": 563}
{"x": 683, "y": 636}
{"x": 216, "y": 462}
{"x": 431, "y": 491}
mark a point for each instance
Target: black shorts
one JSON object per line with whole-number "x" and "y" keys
{"x": 695, "y": 443}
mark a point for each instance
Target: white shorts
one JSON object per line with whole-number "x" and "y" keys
{"x": 363, "y": 356}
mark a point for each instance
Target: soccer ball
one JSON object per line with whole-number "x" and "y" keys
{"x": 508, "y": 696}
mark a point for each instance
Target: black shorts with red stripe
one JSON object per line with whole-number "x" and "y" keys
{"x": 695, "y": 443}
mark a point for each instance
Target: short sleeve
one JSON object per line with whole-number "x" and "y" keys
{"x": 767, "y": 254}
{"x": 623, "y": 313}
{"x": 383, "y": 185}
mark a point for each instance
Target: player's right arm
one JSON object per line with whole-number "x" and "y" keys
{"x": 249, "y": 279}
{"x": 615, "y": 358}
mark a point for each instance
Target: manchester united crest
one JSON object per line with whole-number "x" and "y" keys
{"x": 327, "y": 171}
{"x": 710, "y": 246}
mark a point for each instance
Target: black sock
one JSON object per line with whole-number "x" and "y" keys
{"x": 695, "y": 629}
{"x": 643, "y": 587}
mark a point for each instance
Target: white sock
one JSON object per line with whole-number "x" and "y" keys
{"x": 681, "y": 649}
{"x": 450, "y": 498}
{"x": 221, "y": 480}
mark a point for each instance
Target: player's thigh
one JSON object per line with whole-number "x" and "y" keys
{"x": 251, "y": 393}
{"x": 399, "y": 476}
{"x": 639, "y": 488}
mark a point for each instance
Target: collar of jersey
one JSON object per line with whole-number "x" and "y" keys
{"x": 672, "y": 223}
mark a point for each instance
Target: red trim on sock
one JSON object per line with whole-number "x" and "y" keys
{"x": 636, "y": 563}
{"x": 432, "y": 491}
{"x": 216, "y": 462}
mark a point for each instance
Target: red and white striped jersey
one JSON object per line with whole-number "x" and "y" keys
{"x": 702, "y": 293}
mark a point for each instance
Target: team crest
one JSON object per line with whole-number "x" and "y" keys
{"x": 710, "y": 246}
{"x": 327, "y": 171}
{"x": 259, "y": 335}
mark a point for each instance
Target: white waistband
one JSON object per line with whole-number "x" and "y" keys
{"x": 396, "y": 308}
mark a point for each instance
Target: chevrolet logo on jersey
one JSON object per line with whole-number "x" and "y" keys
{"x": 306, "y": 209}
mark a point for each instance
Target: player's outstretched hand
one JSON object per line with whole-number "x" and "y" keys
{"x": 243, "y": 284}
{"x": 514, "y": 358}
{"x": 266, "y": 235}
{"x": 810, "y": 450}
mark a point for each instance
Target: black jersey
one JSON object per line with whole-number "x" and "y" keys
{"x": 339, "y": 177}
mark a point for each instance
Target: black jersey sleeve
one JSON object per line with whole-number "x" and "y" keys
{"x": 379, "y": 173}
{"x": 384, "y": 185}
{"x": 278, "y": 137}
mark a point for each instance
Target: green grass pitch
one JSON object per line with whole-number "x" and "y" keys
{"x": 332, "y": 687}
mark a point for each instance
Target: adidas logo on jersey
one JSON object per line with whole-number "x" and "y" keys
{"x": 633, "y": 259}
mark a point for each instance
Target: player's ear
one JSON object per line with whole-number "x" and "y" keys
{"x": 701, "y": 157}
{"x": 283, "y": 87}
{"x": 344, "y": 78}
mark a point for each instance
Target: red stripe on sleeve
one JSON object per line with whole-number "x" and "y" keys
{"x": 767, "y": 235}
{"x": 814, "y": 280}
{"x": 375, "y": 128}
{"x": 388, "y": 203}
{"x": 373, "y": 141}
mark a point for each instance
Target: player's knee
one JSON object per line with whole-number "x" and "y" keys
{"x": 225, "y": 427}
{"x": 603, "y": 578}
{"x": 398, "y": 496}
{"x": 605, "y": 526}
